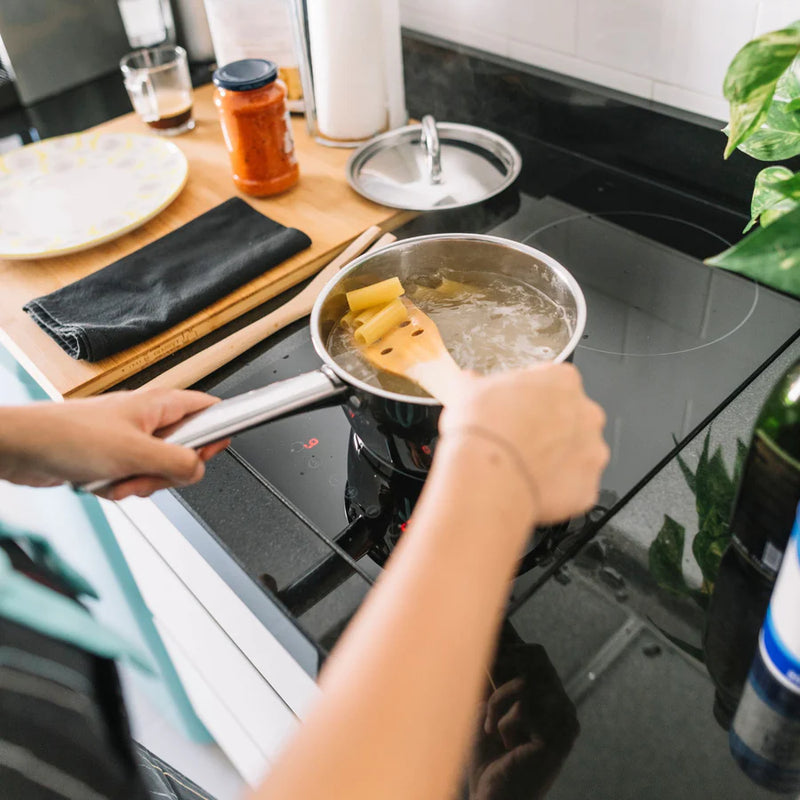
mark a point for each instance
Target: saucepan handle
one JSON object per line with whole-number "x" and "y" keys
{"x": 281, "y": 399}
{"x": 244, "y": 411}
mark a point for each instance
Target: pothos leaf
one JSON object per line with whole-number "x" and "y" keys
{"x": 766, "y": 196}
{"x": 789, "y": 187}
{"x": 770, "y": 255}
{"x": 751, "y": 79}
{"x": 702, "y": 461}
{"x": 688, "y": 475}
{"x": 777, "y": 211}
{"x": 709, "y": 545}
{"x": 714, "y": 490}
{"x": 746, "y": 117}
{"x": 769, "y": 143}
{"x": 778, "y": 138}
{"x": 666, "y": 557}
{"x": 788, "y": 85}
{"x": 741, "y": 454}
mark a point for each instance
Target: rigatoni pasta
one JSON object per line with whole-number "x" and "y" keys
{"x": 365, "y": 316}
{"x": 388, "y": 317}
{"x": 376, "y": 294}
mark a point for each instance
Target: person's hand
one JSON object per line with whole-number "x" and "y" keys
{"x": 106, "y": 437}
{"x": 550, "y": 430}
{"x": 527, "y": 728}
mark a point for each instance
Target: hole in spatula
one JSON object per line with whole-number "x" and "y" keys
{"x": 404, "y": 324}
{"x": 417, "y": 333}
{"x": 386, "y": 351}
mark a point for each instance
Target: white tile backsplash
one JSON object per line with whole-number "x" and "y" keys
{"x": 715, "y": 107}
{"x": 673, "y": 51}
{"x": 421, "y": 19}
{"x": 776, "y": 14}
{"x": 579, "y": 68}
{"x": 621, "y": 34}
{"x": 698, "y": 39}
{"x": 552, "y": 26}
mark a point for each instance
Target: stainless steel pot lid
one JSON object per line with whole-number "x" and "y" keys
{"x": 433, "y": 166}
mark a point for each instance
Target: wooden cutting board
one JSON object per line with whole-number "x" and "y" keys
{"x": 322, "y": 205}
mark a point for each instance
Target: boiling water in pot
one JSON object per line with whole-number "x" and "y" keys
{"x": 489, "y": 323}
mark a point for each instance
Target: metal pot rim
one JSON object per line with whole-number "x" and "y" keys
{"x": 559, "y": 269}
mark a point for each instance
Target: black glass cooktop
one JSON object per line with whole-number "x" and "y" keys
{"x": 668, "y": 343}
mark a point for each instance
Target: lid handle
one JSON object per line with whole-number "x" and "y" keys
{"x": 430, "y": 143}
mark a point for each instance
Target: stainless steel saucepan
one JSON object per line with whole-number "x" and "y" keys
{"x": 400, "y": 430}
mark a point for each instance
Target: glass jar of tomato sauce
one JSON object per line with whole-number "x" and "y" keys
{"x": 256, "y": 126}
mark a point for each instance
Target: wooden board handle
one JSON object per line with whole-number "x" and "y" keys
{"x": 198, "y": 366}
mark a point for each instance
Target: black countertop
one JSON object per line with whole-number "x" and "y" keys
{"x": 627, "y": 648}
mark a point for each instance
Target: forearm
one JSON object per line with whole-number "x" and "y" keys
{"x": 401, "y": 690}
{"x": 25, "y": 432}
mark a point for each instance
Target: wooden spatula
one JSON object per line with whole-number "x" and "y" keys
{"x": 415, "y": 350}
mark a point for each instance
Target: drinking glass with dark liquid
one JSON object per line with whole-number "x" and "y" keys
{"x": 158, "y": 83}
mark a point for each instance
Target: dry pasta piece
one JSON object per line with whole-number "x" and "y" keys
{"x": 365, "y": 316}
{"x": 376, "y": 294}
{"x": 390, "y": 316}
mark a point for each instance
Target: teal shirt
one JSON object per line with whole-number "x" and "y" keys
{"x": 35, "y": 606}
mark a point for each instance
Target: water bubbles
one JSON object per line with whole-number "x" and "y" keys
{"x": 490, "y": 323}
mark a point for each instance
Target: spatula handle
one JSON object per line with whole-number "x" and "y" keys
{"x": 226, "y": 350}
{"x": 442, "y": 378}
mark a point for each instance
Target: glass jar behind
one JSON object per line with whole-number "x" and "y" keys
{"x": 147, "y": 22}
{"x": 242, "y": 29}
{"x": 256, "y": 126}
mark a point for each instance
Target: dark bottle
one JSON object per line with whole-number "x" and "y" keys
{"x": 735, "y": 613}
{"x": 765, "y": 735}
{"x": 769, "y": 489}
{"x": 761, "y": 521}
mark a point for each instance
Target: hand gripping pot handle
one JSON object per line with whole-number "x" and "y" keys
{"x": 281, "y": 399}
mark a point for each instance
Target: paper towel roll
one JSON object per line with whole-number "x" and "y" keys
{"x": 393, "y": 64}
{"x": 348, "y": 48}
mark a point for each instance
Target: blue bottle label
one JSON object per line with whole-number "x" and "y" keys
{"x": 781, "y": 632}
{"x": 765, "y": 735}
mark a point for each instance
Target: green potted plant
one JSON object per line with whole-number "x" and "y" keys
{"x": 762, "y": 85}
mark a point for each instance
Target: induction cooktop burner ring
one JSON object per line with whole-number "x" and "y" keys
{"x": 611, "y": 214}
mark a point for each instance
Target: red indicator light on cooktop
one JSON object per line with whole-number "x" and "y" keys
{"x": 403, "y": 526}
{"x": 426, "y": 449}
{"x": 311, "y": 443}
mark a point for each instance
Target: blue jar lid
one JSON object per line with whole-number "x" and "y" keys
{"x": 249, "y": 73}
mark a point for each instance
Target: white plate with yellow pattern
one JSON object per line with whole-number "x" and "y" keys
{"x": 74, "y": 192}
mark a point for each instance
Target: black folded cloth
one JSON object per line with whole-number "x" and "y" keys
{"x": 165, "y": 282}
